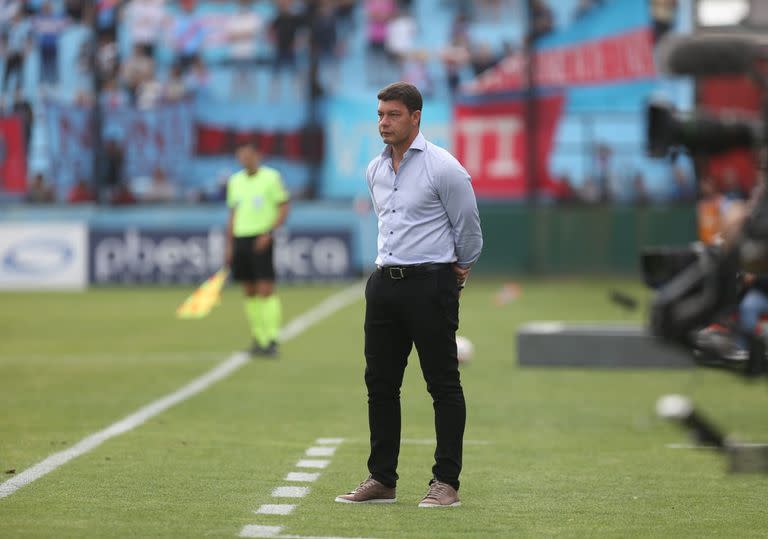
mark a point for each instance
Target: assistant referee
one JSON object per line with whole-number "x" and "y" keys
{"x": 258, "y": 204}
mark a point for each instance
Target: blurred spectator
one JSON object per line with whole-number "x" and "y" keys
{"x": 17, "y": 48}
{"x": 416, "y": 71}
{"x": 107, "y": 58}
{"x": 175, "y": 88}
{"x": 456, "y": 54}
{"x": 482, "y": 58}
{"x": 242, "y": 32}
{"x": 81, "y": 193}
{"x": 710, "y": 211}
{"x": 324, "y": 43}
{"x": 684, "y": 189}
{"x": 48, "y": 27}
{"x": 76, "y": 9}
{"x": 23, "y": 109}
{"x": 39, "y": 192}
{"x": 640, "y": 194}
{"x": 113, "y": 162}
{"x": 187, "y": 35}
{"x": 146, "y": 22}
{"x": 8, "y": 10}
{"x": 345, "y": 15}
{"x": 107, "y": 16}
{"x": 663, "y": 13}
{"x": 113, "y": 96}
{"x": 542, "y": 20}
{"x": 604, "y": 175}
{"x": 198, "y": 79}
{"x": 161, "y": 189}
{"x": 123, "y": 196}
{"x": 284, "y": 30}
{"x": 378, "y": 14}
{"x": 589, "y": 192}
{"x": 401, "y": 35}
{"x": 136, "y": 70}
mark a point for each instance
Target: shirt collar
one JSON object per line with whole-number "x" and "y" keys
{"x": 419, "y": 143}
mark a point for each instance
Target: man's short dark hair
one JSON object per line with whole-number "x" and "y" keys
{"x": 404, "y": 92}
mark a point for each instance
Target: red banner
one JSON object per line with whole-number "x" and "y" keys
{"x": 490, "y": 141}
{"x": 618, "y": 58}
{"x": 13, "y": 156}
{"x": 300, "y": 145}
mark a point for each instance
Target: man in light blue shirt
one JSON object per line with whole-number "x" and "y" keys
{"x": 429, "y": 237}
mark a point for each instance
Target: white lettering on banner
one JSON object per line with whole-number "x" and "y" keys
{"x": 134, "y": 256}
{"x": 504, "y": 130}
{"x": 306, "y": 257}
{"x": 167, "y": 256}
{"x": 43, "y": 255}
{"x": 505, "y": 164}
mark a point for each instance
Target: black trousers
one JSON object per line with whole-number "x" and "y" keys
{"x": 423, "y": 310}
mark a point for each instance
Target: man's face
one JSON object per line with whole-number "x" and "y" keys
{"x": 248, "y": 157}
{"x": 396, "y": 124}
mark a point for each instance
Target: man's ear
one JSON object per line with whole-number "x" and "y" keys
{"x": 417, "y": 116}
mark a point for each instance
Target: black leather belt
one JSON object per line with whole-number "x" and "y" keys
{"x": 403, "y": 272}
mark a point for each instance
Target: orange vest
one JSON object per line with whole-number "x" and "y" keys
{"x": 710, "y": 219}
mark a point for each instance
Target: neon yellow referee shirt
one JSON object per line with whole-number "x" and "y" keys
{"x": 255, "y": 200}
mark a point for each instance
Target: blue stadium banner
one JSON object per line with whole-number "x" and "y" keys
{"x": 352, "y": 140}
{"x": 161, "y": 137}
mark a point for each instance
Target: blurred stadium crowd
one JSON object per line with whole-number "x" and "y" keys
{"x": 146, "y": 53}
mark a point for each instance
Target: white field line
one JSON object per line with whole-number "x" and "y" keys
{"x": 302, "y": 477}
{"x": 329, "y": 441}
{"x": 322, "y": 451}
{"x": 273, "y": 532}
{"x": 290, "y": 492}
{"x": 294, "y": 328}
{"x": 312, "y": 463}
{"x": 275, "y": 509}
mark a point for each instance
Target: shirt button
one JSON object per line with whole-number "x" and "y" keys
{"x": 390, "y": 253}
{"x": 393, "y": 211}
{"x": 395, "y": 188}
{"x": 391, "y": 232}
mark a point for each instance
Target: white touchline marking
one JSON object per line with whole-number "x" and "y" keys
{"x": 311, "y": 463}
{"x": 301, "y": 476}
{"x": 329, "y": 441}
{"x": 320, "y": 451}
{"x": 275, "y": 509}
{"x": 294, "y": 328}
{"x": 252, "y": 530}
{"x": 290, "y": 492}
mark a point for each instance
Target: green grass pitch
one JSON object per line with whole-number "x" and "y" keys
{"x": 565, "y": 452}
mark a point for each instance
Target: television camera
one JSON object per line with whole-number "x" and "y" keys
{"x": 698, "y": 288}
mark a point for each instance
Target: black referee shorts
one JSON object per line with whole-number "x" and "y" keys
{"x": 248, "y": 265}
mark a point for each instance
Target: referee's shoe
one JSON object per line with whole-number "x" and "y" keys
{"x": 270, "y": 351}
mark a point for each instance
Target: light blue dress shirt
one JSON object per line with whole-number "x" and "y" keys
{"x": 427, "y": 212}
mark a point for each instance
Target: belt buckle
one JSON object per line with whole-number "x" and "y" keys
{"x": 394, "y": 275}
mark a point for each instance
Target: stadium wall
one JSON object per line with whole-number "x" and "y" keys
{"x": 320, "y": 242}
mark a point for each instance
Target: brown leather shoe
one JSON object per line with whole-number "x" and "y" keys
{"x": 369, "y": 491}
{"x": 440, "y": 495}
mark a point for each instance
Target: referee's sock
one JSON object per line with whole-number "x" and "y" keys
{"x": 273, "y": 317}
{"x": 255, "y": 312}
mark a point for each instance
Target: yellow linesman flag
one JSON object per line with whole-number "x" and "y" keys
{"x": 202, "y": 300}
